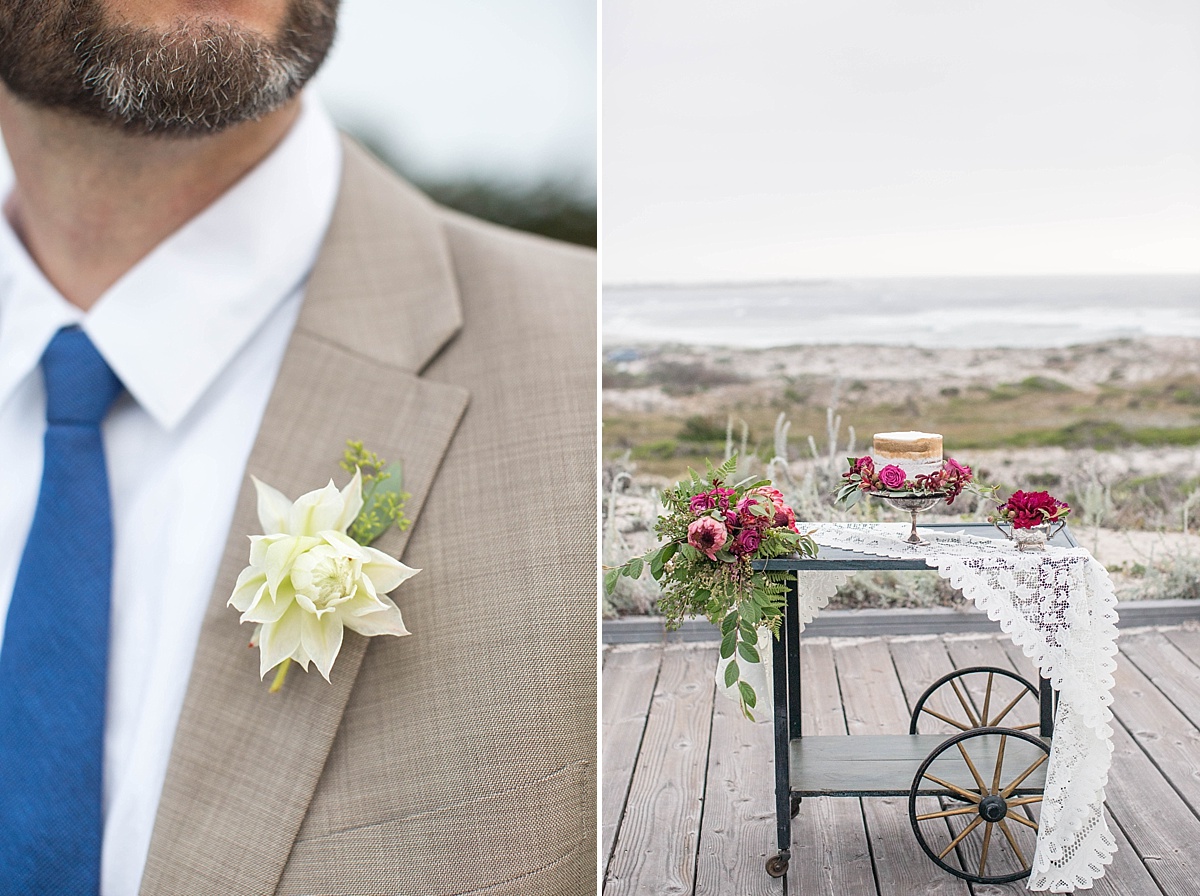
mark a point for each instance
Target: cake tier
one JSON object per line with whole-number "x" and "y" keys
{"x": 908, "y": 448}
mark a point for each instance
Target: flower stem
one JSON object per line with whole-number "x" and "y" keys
{"x": 281, "y": 675}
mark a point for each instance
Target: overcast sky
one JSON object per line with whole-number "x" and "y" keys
{"x": 769, "y": 139}
{"x": 500, "y": 88}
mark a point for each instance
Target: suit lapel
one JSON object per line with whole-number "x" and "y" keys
{"x": 381, "y": 302}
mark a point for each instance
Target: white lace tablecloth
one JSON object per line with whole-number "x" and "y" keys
{"x": 1060, "y": 609}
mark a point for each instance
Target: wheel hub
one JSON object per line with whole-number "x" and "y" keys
{"x": 993, "y": 808}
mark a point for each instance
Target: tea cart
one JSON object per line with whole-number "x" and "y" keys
{"x": 987, "y": 777}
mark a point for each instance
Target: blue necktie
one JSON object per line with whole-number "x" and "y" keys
{"x": 54, "y": 659}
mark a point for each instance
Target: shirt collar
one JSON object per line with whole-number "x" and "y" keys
{"x": 172, "y": 324}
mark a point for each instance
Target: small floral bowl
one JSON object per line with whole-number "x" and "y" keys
{"x": 1034, "y": 538}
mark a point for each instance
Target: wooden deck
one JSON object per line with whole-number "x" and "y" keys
{"x": 688, "y": 805}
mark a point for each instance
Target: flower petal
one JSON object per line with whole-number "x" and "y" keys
{"x": 279, "y": 639}
{"x": 249, "y": 581}
{"x": 282, "y": 555}
{"x": 267, "y": 608}
{"x": 321, "y": 637}
{"x": 385, "y": 622}
{"x": 385, "y": 572}
{"x": 344, "y": 543}
{"x": 273, "y": 508}
{"x": 316, "y": 511}
{"x": 353, "y": 502}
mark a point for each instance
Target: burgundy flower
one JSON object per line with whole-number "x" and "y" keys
{"x": 956, "y": 469}
{"x": 702, "y": 502}
{"x": 892, "y": 477}
{"x": 864, "y": 464}
{"x": 707, "y": 536}
{"x": 784, "y": 515}
{"x": 747, "y": 542}
{"x": 1028, "y": 509}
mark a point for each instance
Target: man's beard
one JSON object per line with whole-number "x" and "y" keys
{"x": 200, "y": 77}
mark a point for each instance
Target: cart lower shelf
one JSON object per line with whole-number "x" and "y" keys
{"x": 885, "y": 765}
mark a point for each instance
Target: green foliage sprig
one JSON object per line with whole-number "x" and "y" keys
{"x": 383, "y": 493}
{"x": 723, "y": 587}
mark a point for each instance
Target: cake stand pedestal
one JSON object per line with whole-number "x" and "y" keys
{"x": 911, "y": 504}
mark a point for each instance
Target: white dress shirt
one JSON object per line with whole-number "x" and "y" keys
{"x": 196, "y": 331}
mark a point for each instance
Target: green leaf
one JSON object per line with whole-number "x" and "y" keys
{"x": 731, "y": 674}
{"x": 668, "y": 551}
{"x": 748, "y": 652}
{"x": 728, "y": 644}
{"x": 748, "y": 695}
{"x": 634, "y": 567}
{"x": 729, "y": 622}
{"x": 610, "y": 580}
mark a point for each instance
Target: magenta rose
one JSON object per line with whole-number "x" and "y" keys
{"x": 747, "y": 542}
{"x": 723, "y": 495}
{"x": 707, "y": 536}
{"x": 892, "y": 477}
{"x": 702, "y": 502}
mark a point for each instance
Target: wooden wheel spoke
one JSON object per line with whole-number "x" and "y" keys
{"x": 1004, "y": 712}
{"x": 965, "y": 810}
{"x": 965, "y": 705}
{"x": 987, "y": 701}
{"x": 963, "y": 833}
{"x": 987, "y": 838}
{"x": 1012, "y": 841}
{"x": 1023, "y": 820}
{"x": 1031, "y": 725}
{"x": 974, "y": 771}
{"x": 999, "y": 765}
{"x": 1025, "y": 774}
{"x": 966, "y": 794}
{"x": 1025, "y": 800}
{"x": 949, "y": 721}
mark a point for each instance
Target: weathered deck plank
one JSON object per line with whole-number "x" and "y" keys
{"x": 1173, "y": 672}
{"x": 655, "y": 852}
{"x": 629, "y": 678}
{"x": 830, "y": 853}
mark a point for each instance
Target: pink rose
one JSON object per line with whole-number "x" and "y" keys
{"x": 746, "y": 517}
{"x": 707, "y": 536}
{"x": 702, "y": 502}
{"x": 892, "y": 477}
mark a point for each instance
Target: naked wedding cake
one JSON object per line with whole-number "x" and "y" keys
{"x": 916, "y": 453}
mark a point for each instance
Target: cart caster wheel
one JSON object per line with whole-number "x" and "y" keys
{"x": 777, "y": 866}
{"x": 960, "y": 706}
{"x": 794, "y": 805}
{"x": 995, "y": 774}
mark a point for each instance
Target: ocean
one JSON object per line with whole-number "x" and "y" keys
{"x": 960, "y": 312}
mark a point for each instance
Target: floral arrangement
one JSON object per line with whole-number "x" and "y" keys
{"x": 1027, "y": 510}
{"x": 712, "y": 533}
{"x": 863, "y": 478}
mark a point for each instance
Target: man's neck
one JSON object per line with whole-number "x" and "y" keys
{"x": 90, "y": 200}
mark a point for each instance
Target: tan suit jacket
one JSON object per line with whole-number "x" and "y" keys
{"x": 460, "y": 759}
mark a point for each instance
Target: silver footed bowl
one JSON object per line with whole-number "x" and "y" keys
{"x": 911, "y": 504}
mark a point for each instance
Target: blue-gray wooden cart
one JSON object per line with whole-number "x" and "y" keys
{"x": 987, "y": 774}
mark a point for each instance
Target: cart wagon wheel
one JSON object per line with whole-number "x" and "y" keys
{"x": 963, "y": 708}
{"x": 995, "y": 778}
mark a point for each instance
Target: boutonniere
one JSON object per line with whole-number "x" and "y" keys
{"x": 313, "y": 573}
